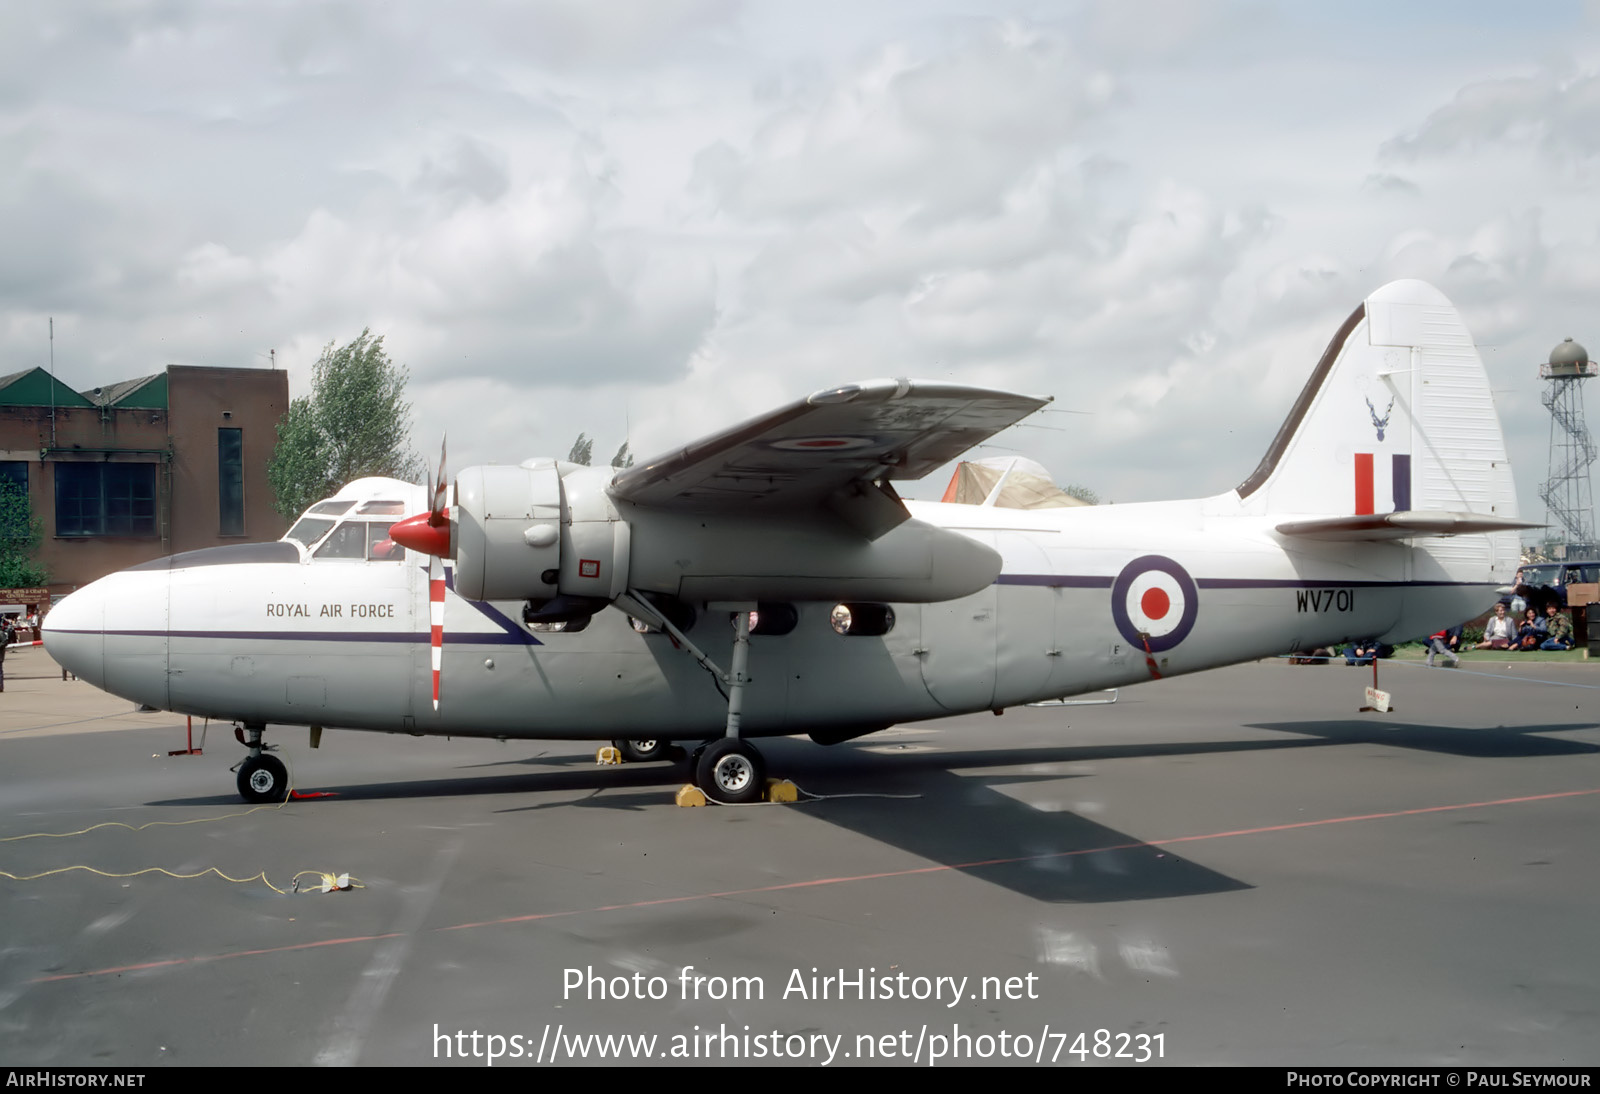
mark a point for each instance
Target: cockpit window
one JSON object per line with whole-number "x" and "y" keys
{"x": 349, "y": 540}
{"x": 382, "y": 508}
{"x": 331, "y": 508}
{"x": 307, "y": 530}
{"x": 380, "y": 548}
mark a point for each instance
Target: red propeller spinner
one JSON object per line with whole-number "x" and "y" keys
{"x": 419, "y": 533}
{"x": 428, "y": 533}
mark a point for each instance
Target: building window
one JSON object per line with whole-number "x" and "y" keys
{"x": 14, "y": 510}
{"x": 105, "y": 499}
{"x": 230, "y": 480}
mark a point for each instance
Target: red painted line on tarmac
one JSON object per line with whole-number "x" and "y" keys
{"x": 215, "y": 957}
{"x": 814, "y": 882}
{"x": 1019, "y": 858}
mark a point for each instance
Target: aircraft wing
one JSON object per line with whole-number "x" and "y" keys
{"x": 827, "y": 450}
{"x": 1403, "y": 525}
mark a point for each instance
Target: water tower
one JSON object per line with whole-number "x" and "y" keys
{"x": 1567, "y": 493}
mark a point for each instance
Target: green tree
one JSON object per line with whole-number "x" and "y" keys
{"x": 1082, "y": 493}
{"x": 20, "y": 536}
{"x": 354, "y": 423}
{"x": 623, "y": 459}
{"x": 582, "y": 450}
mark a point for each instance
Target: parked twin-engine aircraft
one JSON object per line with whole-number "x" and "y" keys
{"x": 768, "y": 580}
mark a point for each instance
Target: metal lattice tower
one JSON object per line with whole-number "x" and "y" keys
{"x": 1567, "y": 493}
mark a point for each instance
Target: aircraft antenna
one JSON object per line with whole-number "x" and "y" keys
{"x": 52, "y": 382}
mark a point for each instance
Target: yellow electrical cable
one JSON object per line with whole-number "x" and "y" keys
{"x": 142, "y": 827}
{"x": 329, "y": 881}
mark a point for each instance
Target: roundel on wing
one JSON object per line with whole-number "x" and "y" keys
{"x": 822, "y": 444}
{"x": 1154, "y": 600}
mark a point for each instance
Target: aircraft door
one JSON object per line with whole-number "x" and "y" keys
{"x": 1027, "y": 657}
{"x": 958, "y": 648}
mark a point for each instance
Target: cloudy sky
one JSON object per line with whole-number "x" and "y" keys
{"x": 651, "y": 218}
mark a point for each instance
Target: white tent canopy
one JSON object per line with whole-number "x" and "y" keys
{"x": 1023, "y": 483}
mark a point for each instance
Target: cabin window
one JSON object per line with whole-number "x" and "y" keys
{"x": 772, "y": 618}
{"x": 331, "y": 508}
{"x": 105, "y": 499}
{"x": 861, "y": 620}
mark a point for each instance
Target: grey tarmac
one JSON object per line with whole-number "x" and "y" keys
{"x": 1237, "y": 867}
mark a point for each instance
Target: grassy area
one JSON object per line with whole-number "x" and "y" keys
{"x": 1412, "y": 651}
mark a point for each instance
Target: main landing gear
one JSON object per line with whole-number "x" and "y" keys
{"x": 729, "y": 769}
{"x": 263, "y": 780}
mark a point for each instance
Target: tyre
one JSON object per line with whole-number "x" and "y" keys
{"x": 263, "y": 779}
{"x": 731, "y": 771}
{"x": 643, "y": 751}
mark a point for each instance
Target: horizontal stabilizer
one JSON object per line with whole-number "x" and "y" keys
{"x": 1384, "y": 526}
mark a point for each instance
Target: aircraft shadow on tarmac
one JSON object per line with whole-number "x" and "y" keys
{"x": 1500, "y": 742}
{"x": 965, "y": 822}
{"x": 960, "y": 822}
{"x": 915, "y": 801}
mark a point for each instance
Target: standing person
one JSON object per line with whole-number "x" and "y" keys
{"x": 7, "y": 636}
{"x": 1499, "y": 632}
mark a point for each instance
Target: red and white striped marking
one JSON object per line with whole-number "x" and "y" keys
{"x": 436, "y": 621}
{"x": 1364, "y": 484}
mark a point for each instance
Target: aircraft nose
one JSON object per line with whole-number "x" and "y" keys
{"x": 74, "y": 634}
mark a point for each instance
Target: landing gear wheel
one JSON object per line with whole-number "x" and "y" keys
{"x": 642, "y": 751}
{"x": 263, "y": 779}
{"x": 731, "y": 771}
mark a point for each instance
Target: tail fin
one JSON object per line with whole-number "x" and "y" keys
{"x": 1397, "y": 418}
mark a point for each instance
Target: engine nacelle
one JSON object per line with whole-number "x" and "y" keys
{"x": 546, "y": 529}
{"x": 802, "y": 557}
{"x": 537, "y": 531}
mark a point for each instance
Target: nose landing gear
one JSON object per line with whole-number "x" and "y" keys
{"x": 263, "y": 780}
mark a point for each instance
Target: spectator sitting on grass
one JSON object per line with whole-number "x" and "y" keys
{"x": 1559, "y": 629}
{"x": 1499, "y": 632}
{"x": 1531, "y": 634}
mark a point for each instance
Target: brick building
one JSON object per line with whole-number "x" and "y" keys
{"x": 129, "y": 472}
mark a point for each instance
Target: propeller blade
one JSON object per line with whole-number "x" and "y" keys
{"x": 435, "y": 618}
{"x": 436, "y": 514}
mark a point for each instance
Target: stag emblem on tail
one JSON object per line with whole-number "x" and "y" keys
{"x": 1380, "y": 423}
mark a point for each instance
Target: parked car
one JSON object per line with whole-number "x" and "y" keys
{"x": 1540, "y": 583}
